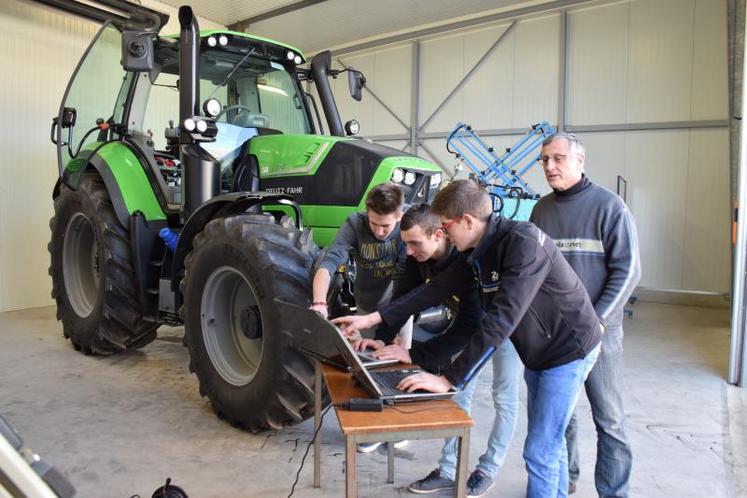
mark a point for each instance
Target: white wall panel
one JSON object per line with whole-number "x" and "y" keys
{"x": 597, "y": 65}
{"x": 488, "y": 96}
{"x": 656, "y": 169}
{"x": 39, "y": 47}
{"x": 605, "y": 158}
{"x": 442, "y": 67}
{"x": 709, "y": 77}
{"x": 707, "y": 255}
{"x": 661, "y": 49}
{"x": 387, "y": 76}
{"x": 536, "y": 71}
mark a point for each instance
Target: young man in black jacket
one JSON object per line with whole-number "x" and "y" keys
{"x": 530, "y": 294}
{"x": 429, "y": 254}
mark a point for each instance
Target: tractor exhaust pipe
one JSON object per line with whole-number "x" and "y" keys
{"x": 200, "y": 171}
{"x": 320, "y": 67}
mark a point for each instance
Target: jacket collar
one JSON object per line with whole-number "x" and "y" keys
{"x": 495, "y": 228}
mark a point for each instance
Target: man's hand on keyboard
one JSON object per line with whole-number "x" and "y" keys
{"x": 393, "y": 352}
{"x": 364, "y": 344}
{"x": 352, "y": 323}
{"x": 425, "y": 381}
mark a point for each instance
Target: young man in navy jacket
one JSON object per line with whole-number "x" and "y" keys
{"x": 429, "y": 254}
{"x": 531, "y": 295}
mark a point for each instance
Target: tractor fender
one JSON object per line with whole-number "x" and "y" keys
{"x": 222, "y": 205}
{"x": 124, "y": 176}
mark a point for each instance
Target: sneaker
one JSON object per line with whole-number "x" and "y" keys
{"x": 478, "y": 484}
{"x": 433, "y": 482}
{"x": 368, "y": 447}
{"x": 571, "y": 487}
{"x": 401, "y": 444}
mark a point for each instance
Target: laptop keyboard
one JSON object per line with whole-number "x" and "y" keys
{"x": 388, "y": 379}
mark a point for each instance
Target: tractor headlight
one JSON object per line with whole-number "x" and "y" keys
{"x": 436, "y": 180}
{"x": 223, "y": 40}
{"x": 212, "y": 41}
{"x": 189, "y": 124}
{"x": 398, "y": 175}
{"x": 201, "y": 126}
{"x": 297, "y": 59}
{"x": 409, "y": 178}
{"x": 290, "y": 55}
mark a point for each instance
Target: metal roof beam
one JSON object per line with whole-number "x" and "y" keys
{"x": 242, "y": 25}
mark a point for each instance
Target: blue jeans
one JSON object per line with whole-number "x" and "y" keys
{"x": 506, "y": 368}
{"x": 604, "y": 388}
{"x": 551, "y": 398}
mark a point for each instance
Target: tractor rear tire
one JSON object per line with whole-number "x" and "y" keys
{"x": 244, "y": 364}
{"x": 93, "y": 278}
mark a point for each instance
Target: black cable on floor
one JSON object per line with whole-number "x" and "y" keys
{"x": 308, "y": 447}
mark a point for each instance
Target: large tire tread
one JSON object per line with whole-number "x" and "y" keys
{"x": 283, "y": 257}
{"x": 116, "y": 322}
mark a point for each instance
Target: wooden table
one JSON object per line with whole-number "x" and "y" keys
{"x": 419, "y": 420}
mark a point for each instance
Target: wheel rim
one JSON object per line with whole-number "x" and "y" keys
{"x": 80, "y": 265}
{"x": 229, "y": 315}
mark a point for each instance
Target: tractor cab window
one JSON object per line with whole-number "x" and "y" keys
{"x": 95, "y": 96}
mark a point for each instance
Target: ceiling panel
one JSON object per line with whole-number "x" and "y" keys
{"x": 333, "y": 23}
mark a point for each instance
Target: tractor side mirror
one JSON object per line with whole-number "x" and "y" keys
{"x": 137, "y": 50}
{"x": 68, "y": 117}
{"x": 356, "y": 82}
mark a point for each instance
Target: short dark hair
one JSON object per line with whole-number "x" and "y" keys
{"x": 462, "y": 197}
{"x": 422, "y": 216}
{"x": 386, "y": 198}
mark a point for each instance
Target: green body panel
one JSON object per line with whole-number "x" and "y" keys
{"x": 290, "y": 155}
{"x": 295, "y": 155}
{"x": 134, "y": 185}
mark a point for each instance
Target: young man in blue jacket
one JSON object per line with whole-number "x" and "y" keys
{"x": 530, "y": 294}
{"x": 429, "y": 254}
{"x": 596, "y": 233}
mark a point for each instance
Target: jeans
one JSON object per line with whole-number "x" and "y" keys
{"x": 604, "y": 388}
{"x": 506, "y": 368}
{"x": 551, "y": 398}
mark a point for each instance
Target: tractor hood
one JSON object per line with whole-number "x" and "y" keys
{"x": 325, "y": 170}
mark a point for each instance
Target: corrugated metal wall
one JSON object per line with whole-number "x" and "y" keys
{"x": 39, "y": 47}
{"x": 629, "y": 62}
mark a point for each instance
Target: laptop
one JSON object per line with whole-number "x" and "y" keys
{"x": 382, "y": 384}
{"x": 324, "y": 347}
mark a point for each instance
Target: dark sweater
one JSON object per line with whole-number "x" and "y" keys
{"x": 596, "y": 233}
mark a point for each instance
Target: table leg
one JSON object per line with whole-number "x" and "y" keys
{"x": 351, "y": 486}
{"x": 390, "y": 462}
{"x": 317, "y": 422}
{"x": 462, "y": 456}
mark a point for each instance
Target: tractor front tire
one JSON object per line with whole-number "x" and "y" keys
{"x": 244, "y": 364}
{"x": 93, "y": 278}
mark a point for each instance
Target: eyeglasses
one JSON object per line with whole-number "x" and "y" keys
{"x": 446, "y": 225}
{"x": 557, "y": 158}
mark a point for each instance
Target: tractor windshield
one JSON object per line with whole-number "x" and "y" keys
{"x": 255, "y": 92}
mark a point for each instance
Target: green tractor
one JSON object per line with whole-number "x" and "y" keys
{"x": 171, "y": 212}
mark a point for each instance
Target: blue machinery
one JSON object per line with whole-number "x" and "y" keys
{"x": 502, "y": 176}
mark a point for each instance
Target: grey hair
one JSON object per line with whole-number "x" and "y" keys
{"x": 574, "y": 144}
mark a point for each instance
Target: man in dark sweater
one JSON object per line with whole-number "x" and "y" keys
{"x": 530, "y": 294}
{"x": 596, "y": 233}
{"x": 429, "y": 254}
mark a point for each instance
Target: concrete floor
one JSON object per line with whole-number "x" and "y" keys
{"x": 118, "y": 426}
